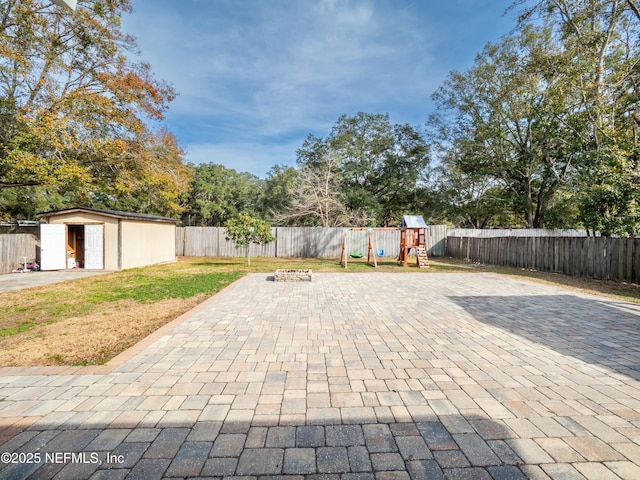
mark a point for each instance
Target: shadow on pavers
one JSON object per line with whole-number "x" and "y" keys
{"x": 596, "y": 332}
{"x": 436, "y": 448}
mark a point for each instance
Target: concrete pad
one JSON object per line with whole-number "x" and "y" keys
{"x": 19, "y": 281}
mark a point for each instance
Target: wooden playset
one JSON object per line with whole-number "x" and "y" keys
{"x": 413, "y": 234}
{"x": 354, "y": 247}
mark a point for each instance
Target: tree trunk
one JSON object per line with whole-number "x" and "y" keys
{"x": 249, "y": 255}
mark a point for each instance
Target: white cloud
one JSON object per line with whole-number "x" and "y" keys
{"x": 251, "y": 75}
{"x": 352, "y": 13}
{"x": 284, "y": 65}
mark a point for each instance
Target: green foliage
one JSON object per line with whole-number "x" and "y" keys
{"x": 495, "y": 132}
{"x": 608, "y": 201}
{"x": 546, "y": 122}
{"x": 541, "y": 131}
{"x": 380, "y": 166}
{"x": 217, "y": 193}
{"x": 74, "y": 111}
{"x": 277, "y": 192}
{"x": 244, "y": 230}
{"x": 563, "y": 211}
{"x": 469, "y": 200}
{"x": 26, "y": 202}
{"x": 599, "y": 77}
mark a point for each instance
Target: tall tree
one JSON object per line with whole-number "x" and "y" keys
{"x": 498, "y": 121}
{"x": 73, "y": 106}
{"x": 468, "y": 199}
{"x": 218, "y": 193}
{"x": 598, "y": 40}
{"x": 381, "y": 164}
{"x": 158, "y": 177}
{"x": 277, "y": 194}
{"x": 318, "y": 198}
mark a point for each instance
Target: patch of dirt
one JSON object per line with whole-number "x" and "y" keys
{"x": 92, "y": 339}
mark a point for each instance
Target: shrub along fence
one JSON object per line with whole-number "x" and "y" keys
{"x": 589, "y": 257}
{"x": 14, "y": 246}
{"x": 306, "y": 242}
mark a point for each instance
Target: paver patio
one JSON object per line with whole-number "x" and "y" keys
{"x": 372, "y": 376}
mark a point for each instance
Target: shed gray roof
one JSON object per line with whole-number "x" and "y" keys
{"x": 413, "y": 221}
{"x": 110, "y": 213}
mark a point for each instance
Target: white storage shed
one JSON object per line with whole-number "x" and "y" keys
{"x": 105, "y": 239}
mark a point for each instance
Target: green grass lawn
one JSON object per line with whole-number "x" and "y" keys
{"x": 270, "y": 264}
{"x": 47, "y": 304}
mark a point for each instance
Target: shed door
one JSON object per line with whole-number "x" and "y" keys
{"x": 94, "y": 247}
{"x": 53, "y": 251}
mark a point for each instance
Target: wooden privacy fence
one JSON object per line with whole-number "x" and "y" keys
{"x": 589, "y": 257}
{"x": 14, "y": 246}
{"x": 515, "y": 232}
{"x": 305, "y": 242}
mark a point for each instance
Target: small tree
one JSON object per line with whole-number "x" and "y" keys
{"x": 244, "y": 230}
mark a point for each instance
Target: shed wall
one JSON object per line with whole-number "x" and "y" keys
{"x": 110, "y": 232}
{"x": 147, "y": 243}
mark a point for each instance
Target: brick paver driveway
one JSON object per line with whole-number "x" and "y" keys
{"x": 385, "y": 376}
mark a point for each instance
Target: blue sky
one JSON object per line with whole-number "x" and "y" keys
{"x": 255, "y": 77}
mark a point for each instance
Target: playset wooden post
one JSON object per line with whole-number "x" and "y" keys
{"x": 345, "y": 253}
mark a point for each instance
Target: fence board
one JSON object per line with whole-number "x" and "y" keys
{"x": 623, "y": 253}
{"x": 590, "y": 257}
{"x": 612, "y": 255}
{"x": 15, "y": 246}
{"x": 544, "y": 255}
{"x": 635, "y": 276}
{"x": 628, "y": 259}
{"x": 180, "y": 242}
{"x": 307, "y": 242}
{"x": 600, "y": 253}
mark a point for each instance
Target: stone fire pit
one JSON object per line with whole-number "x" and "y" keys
{"x": 292, "y": 275}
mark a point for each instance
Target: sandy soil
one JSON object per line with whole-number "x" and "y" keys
{"x": 91, "y": 339}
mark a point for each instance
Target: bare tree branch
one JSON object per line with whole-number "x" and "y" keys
{"x": 318, "y": 199}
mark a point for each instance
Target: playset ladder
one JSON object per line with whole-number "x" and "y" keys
{"x": 421, "y": 255}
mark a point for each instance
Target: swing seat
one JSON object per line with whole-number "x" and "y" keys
{"x": 356, "y": 255}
